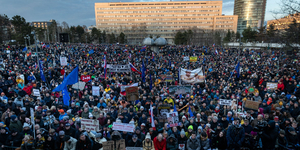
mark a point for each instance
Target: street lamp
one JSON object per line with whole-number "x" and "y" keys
{"x": 36, "y": 50}
{"x": 28, "y": 37}
{"x": 25, "y": 41}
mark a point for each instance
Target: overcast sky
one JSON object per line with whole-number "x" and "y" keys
{"x": 82, "y": 12}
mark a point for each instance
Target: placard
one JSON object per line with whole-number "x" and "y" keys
{"x": 85, "y": 78}
{"x": 226, "y": 102}
{"x": 177, "y": 90}
{"x": 169, "y": 78}
{"x": 192, "y": 76}
{"x": 132, "y": 93}
{"x": 63, "y": 61}
{"x": 36, "y": 92}
{"x": 119, "y": 68}
{"x": 252, "y": 104}
{"x": 186, "y": 58}
{"x": 120, "y": 144}
{"x": 90, "y": 124}
{"x": 163, "y": 111}
{"x": 79, "y": 85}
{"x": 123, "y": 87}
{"x": 123, "y": 127}
{"x": 272, "y": 86}
{"x": 181, "y": 147}
{"x": 193, "y": 59}
{"x": 109, "y": 145}
{"x": 96, "y": 91}
{"x": 173, "y": 120}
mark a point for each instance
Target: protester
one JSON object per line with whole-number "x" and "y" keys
{"x": 202, "y": 120}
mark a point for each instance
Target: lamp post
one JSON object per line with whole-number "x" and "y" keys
{"x": 36, "y": 50}
{"x": 25, "y": 41}
{"x": 28, "y": 37}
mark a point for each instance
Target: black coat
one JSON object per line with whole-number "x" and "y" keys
{"x": 16, "y": 141}
{"x": 84, "y": 145}
{"x": 269, "y": 136}
{"x": 138, "y": 143}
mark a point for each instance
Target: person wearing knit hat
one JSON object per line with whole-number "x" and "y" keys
{"x": 182, "y": 132}
{"x": 189, "y": 132}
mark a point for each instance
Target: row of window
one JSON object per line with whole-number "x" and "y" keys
{"x": 156, "y": 11}
{"x": 154, "y": 15}
{"x": 152, "y": 19}
{"x": 167, "y": 7}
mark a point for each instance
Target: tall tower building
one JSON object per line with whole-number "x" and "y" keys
{"x": 250, "y": 13}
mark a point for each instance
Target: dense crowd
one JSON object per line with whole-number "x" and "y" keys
{"x": 56, "y": 126}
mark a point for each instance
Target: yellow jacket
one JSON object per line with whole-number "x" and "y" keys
{"x": 169, "y": 101}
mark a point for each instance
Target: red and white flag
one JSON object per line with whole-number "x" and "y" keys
{"x": 123, "y": 87}
{"x": 152, "y": 120}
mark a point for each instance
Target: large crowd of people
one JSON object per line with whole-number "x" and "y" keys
{"x": 238, "y": 75}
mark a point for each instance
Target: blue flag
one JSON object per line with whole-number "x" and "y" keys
{"x": 150, "y": 82}
{"x": 174, "y": 109}
{"x": 72, "y": 78}
{"x": 143, "y": 72}
{"x": 169, "y": 62}
{"x": 91, "y": 51}
{"x": 66, "y": 96}
{"x": 25, "y": 49}
{"x": 191, "y": 113}
{"x": 42, "y": 71}
{"x": 237, "y": 69}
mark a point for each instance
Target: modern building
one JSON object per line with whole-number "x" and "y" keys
{"x": 283, "y": 23}
{"x": 138, "y": 20}
{"x": 250, "y": 13}
{"x": 41, "y": 24}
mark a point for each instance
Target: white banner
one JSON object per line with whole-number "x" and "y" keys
{"x": 63, "y": 61}
{"x": 119, "y": 68}
{"x": 79, "y": 85}
{"x": 186, "y": 58}
{"x": 123, "y": 127}
{"x": 173, "y": 120}
{"x": 90, "y": 124}
{"x": 96, "y": 90}
{"x": 36, "y": 92}
{"x": 192, "y": 76}
{"x": 226, "y": 102}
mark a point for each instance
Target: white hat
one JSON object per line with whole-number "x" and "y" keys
{"x": 183, "y": 117}
{"x": 26, "y": 125}
{"x": 148, "y": 136}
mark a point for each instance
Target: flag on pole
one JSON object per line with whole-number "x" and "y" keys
{"x": 72, "y": 78}
{"x": 143, "y": 49}
{"x": 153, "y": 57}
{"x": 174, "y": 109}
{"x": 152, "y": 120}
{"x": 66, "y": 96}
{"x": 169, "y": 62}
{"x": 25, "y": 49}
{"x": 105, "y": 65}
{"x": 42, "y": 71}
{"x": 143, "y": 72}
{"x": 133, "y": 69}
{"x": 237, "y": 69}
{"x": 91, "y": 52}
{"x": 191, "y": 113}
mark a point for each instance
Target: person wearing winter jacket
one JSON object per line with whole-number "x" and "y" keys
{"x": 182, "y": 138}
{"x": 235, "y": 135}
{"x": 281, "y": 141}
{"x": 83, "y": 143}
{"x": 204, "y": 141}
{"x": 135, "y": 142}
{"x": 193, "y": 143}
{"x": 172, "y": 143}
{"x": 292, "y": 138}
{"x": 70, "y": 143}
{"x": 148, "y": 143}
{"x": 269, "y": 136}
{"x": 159, "y": 142}
{"x": 220, "y": 141}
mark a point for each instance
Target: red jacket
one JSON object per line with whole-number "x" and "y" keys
{"x": 160, "y": 145}
{"x": 280, "y": 86}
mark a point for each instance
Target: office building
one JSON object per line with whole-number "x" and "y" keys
{"x": 283, "y": 23}
{"x": 138, "y": 20}
{"x": 250, "y": 13}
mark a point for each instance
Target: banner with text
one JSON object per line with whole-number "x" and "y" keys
{"x": 123, "y": 127}
{"x": 96, "y": 91}
{"x": 173, "y": 120}
{"x": 90, "y": 124}
{"x": 63, "y": 61}
{"x": 119, "y": 68}
{"x": 177, "y": 90}
{"x": 192, "y": 76}
{"x": 226, "y": 102}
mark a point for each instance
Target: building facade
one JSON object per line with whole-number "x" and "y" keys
{"x": 250, "y": 13}
{"x": 138, "y": 20}
{"x": 283, "y": 23}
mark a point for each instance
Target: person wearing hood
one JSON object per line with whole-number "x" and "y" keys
{"x": 15, "y": 139}
{"x": 204, "y": 141}
{"x": 172, "y": 143}
{"x": 98, "y": 138}
{"x": 148, "y": 143}
{"x": 135, "y": 142}
{"x": 235, "y": 135}
{"x": 62, "y": 114}
{"x": 292, "y": 138}
{"x": 138, "y": 132}
{"x": 83, "y": 143}
{"x": 4, "y": 133}
{"x": 159, "y": 142}
{"x": 193, "y": 143}
{"x": 70, "y": 143}
{"x": 266, "y": 108}
{"x": 269, "y": 136}
{"x": 219, "y": 142}
{"x": 15, "y": 123}
{"x": 281, "y": 141}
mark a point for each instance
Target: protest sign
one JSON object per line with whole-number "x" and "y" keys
{"x": 251, "y": 104}
{"x": 63, "y": 61}
{"x": 123, "y": 87}
{"x": 79, "y": 85}
{"x": 132, "y": 93}
{"x": 163, "y": 111}
{"x": 272, "y": 86}
{"x": 176, "y": 90}
{"x": 134, "y": 148}
{"x": 120, "y": 144}
{"x": 96, "y": 91}
{"x": 119, "y": 68}
{"x": 90, "y": 124}
{"x": 226, "y": 102}
{"x": 85, "y": 78}
{"x": 109, "y": 145}
{"x": 173, "y": 120}
{"x": 123, "y": 127}
{"x": 192, "y": 76}
{"x": 169, "y": 78}
{"x": 186, "y": 58}
{"x": 193, "y": 59}
{"x": 181, "y": 147}
{"x": 36, "y": 92}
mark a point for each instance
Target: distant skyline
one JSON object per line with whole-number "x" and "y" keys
{"x": 82, "y": 12}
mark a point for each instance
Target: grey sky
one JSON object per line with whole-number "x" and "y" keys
{"x": 82, "y": 12}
